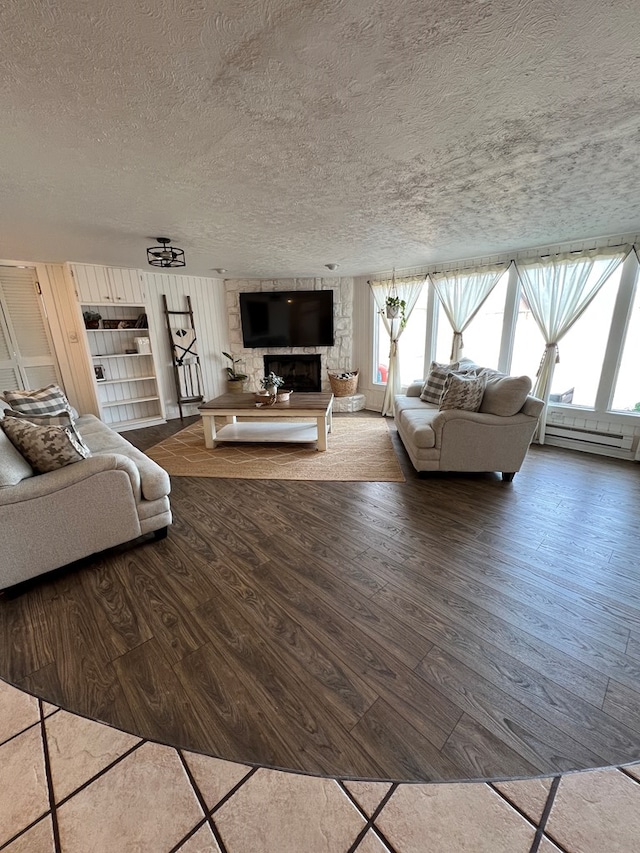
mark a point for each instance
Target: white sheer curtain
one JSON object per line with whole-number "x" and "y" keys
{"x": 558, "y": 289}
{"x": 461, "y": 294}
{"x": 407, "y": 289}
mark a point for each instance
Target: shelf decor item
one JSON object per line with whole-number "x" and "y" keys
{"x": 91, "y": 319}
{"x": 118, "y": 324}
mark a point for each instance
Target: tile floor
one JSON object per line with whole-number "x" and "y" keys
{"x": 71, "y": 785}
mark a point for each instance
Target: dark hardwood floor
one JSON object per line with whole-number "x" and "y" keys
{"x": 448, "y": 627}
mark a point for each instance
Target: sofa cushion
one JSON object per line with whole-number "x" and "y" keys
{"x": 505, "y": 395}
{"x": 154, "y": 480}
{"x": 46, "y": 448}
{"x": 13, "y": 466}
{"x": 463, "y": 392}
{"x": 49, "y": 400}
{"x": 416, "y": 426}
{"x": 434, "y": 384}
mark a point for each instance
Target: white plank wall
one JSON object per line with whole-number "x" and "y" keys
{"x": 210, "y": 317}
{"x": 363, "y": 314}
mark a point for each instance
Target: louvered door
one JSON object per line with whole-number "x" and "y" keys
{"x": 27, "y": 358}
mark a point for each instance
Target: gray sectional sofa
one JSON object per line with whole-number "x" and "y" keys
{"x": 51, "y": 519}
{"x": 458, "y": 440}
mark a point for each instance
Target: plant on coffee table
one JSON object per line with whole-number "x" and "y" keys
{"x": 271, "y": 382}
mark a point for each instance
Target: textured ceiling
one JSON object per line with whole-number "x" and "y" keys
{"x": 273, "y": 137}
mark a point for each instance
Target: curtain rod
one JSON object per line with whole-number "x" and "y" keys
{"x": 633, "y": 247}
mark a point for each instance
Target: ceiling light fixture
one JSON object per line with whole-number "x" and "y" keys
{"x": 219, "y": 270}
{"x": 165, "y": 255}
{"x": 331, "y": 267}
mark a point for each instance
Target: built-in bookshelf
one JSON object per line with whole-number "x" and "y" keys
{"x": 124, "y": 367}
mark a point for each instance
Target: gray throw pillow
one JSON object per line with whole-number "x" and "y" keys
{"x": 50, "y": 400}
{"x": 462, "y": 392}
{"x": 434, "y": 385}
{"x": 45, "y": 448}
{"x": 505, "y": 395}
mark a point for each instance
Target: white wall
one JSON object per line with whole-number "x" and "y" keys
{"x": 210, "y": 319}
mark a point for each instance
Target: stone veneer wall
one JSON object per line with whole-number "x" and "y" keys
{"x": 337, "y": 357}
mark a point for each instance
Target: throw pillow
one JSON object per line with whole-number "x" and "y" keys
{"x": 45, "y": 448}
{"x": 60, "y": 419}
{"x": 505, "y": 395}
{"x": 434, "y": 385}
{"x": 15, "y": 467}
{"x": 49, "y": 400}
{"x": 65, "y": 419}
{"x": 462, "y": 392}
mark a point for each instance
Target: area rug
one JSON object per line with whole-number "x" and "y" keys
{"x": 359, "y": 449}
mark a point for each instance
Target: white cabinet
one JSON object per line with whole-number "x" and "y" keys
{"x": 125, "y": 376}
{"x": 97, "y": 285}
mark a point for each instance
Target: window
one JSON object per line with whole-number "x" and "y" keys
{"x": 411, "y": 344}
{"x": 577, "y": 374}
{"x": 482, "y": 336}
{"x": 591, "y": 352}
{"x": 627, "y": 392}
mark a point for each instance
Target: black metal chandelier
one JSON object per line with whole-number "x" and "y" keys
{"x": 165, "y": 255}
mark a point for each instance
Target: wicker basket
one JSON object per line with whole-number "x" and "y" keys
{"x": 344, "y": 387}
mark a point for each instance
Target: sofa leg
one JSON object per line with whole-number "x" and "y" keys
{"x": 507, "y": 476}
{"x": 161, "y": 533}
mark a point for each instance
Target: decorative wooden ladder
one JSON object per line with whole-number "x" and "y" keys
{"x": 187, "y": 373}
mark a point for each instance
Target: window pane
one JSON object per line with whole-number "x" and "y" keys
{"x": 528, "y": 345}
{"x": 482, "y": 336}
{"x": 444, "y": 335}
{"x": 382, "y": 363}
{"x": 577, "y": 374}
{"x": 627, "y": 393}
{"x": 411, "y": 344}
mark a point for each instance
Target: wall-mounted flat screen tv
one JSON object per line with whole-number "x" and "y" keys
{"x": 291, "y": 318}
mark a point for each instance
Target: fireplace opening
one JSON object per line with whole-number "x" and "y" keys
{"x": 300, "y": 372}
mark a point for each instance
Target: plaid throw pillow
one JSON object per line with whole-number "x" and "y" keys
{"x": 61, "y": 419}
{"x": 463, "y": 392}
{"x": 45, "y": 401}
{"x": 434, "y": 386}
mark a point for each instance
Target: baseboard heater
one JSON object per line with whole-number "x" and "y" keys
{"x": 591, "y": 440}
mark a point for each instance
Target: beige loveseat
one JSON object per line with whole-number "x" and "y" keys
{"x": 51, "y": 519}
{"x": 458, "y": 440}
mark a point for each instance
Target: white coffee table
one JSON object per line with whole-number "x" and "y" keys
{"x": 265, "y": 423}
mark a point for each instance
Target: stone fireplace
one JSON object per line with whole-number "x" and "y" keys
{"x": 300, "y": 372}
{"x": 335, "y": 358}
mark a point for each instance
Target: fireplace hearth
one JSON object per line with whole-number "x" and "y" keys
{"x": 300, "y": 372}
